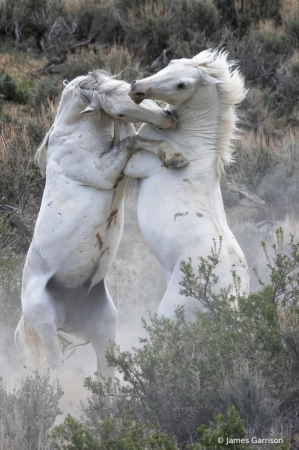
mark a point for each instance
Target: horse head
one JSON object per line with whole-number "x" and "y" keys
{"x": 104, "y": 93}
{"x": 174, "y": 84}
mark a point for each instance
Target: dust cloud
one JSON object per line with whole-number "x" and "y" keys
{"x": 136, "y": 284}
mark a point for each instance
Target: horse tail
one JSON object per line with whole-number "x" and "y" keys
{"x": 40, "y": 158}
{"x": 31, "y": 343}
{"x": 33, "y": 348}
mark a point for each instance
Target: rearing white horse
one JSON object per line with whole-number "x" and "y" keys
{"x": 203, "y": 92}
{"x": 80, "y": 222}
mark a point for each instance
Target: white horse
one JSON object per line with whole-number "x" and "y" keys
{"x": 80, "y": 222}
{"x": 203, "y": 92}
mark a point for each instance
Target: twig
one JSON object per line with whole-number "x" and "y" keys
{"x": 28, "y": 73}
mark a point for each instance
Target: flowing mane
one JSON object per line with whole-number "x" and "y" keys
{"x": 231, "y": 91}
{"x": 98, "y": 81}
{"x": 92, "y": 88}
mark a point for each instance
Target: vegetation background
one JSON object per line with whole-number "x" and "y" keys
{"x": 43, "y": 42}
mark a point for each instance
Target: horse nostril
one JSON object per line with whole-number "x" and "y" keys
{"x": 140, "y": 94}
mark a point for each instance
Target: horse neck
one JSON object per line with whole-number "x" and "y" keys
{"x": 198, "y": 127}
{"x": 68, "y": 118}
{"x": 69, "y": 108}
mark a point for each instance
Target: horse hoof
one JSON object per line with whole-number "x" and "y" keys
{"x": 177, "y": 163}
{"x": 56, "y": 363}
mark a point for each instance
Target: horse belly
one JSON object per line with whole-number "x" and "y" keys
{"x": 166, "y": 218}
{"x": 179, "y": 221}
{"x": 89, "y": 261}
{"x": 76, "y": 236}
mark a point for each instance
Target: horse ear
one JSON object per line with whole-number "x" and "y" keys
{"x": 93, "y": 99}
{"x": 89, "y": 109}
{"x": 210, "y": 80}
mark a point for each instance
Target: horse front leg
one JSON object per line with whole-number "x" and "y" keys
{"x": 170, "y": 157}
{"x": 112, "y": 163}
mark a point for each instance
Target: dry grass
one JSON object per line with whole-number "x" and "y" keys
{"x": 286, "y": 149}
{"x": 149, "y": 9}
{"x": 19, "y": 121}
{"x": 288, "y": 9}
{"x": 268, "y": 28}
{"x": 18, "y": 129}
{"x": 119, "y": 60}
{"x": 21, "y": 183}
{"x": 289, "y": 323}
{"x": 12, "y": 129}
{"x": 28, "y": 412}
{"x": 20, "y": 65}
{"x": 114, "y": 59}
{"x": 295, "y": 57}
{"x": 77, "y": 5}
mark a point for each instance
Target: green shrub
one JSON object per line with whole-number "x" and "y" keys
{"x": 10, "y": 91}
{"x": 29, "y": 412}
{"x": 240, "y": 16}
{"x": 292, "y": 29}
{"x": 46, "y": 89}
{"x": 72, "y": 435}
{"x": 55, "y": 28}
{"x": 116, "y": 60}
{"x": 220, "y": 433}
{"x": 261, "y": 10}
{"x": 186, "y": 373}
{"x": 11, "y": 265}
{"x": 230, "y": 434}
{"x": 25, "y": 19}
{"x": 265, "y": 63}
{"x": 253, "y": 396}
{"x": 252, "y": 109}
{"x": 123, "y": 434}
{"x": 100, "y": 23}
{"x": 36, "y": 133}
{"x": 266, "y": 163}
{"x": 154, "y": 26}
{"x": 260, "y": 55}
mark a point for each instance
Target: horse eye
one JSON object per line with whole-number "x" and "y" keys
{"x": 181, "y": 86}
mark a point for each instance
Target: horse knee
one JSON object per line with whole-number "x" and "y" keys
{"x": 37, "y": 306}
{"x": 113, "y": 315}
{"x": 36, "y": 316}
{"x": 108, "y": 327}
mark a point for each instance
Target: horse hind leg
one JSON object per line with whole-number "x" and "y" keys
{"x": 96, "y": 322}
{"x": 37, "y": 329}
{"x": 172, "y": 299}
{"x": 104, "y": 328}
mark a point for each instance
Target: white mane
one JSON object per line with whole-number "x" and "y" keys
{"x": 231, "y": 91}
{"x": 98, "y": 81}
{"x": 91, "y": 88}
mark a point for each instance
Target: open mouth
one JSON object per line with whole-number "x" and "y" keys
{"x": 137, "y": 97}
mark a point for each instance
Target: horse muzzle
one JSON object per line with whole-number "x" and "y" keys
{"x": 136, "y": 94}
{"x": 170, "y": 120}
